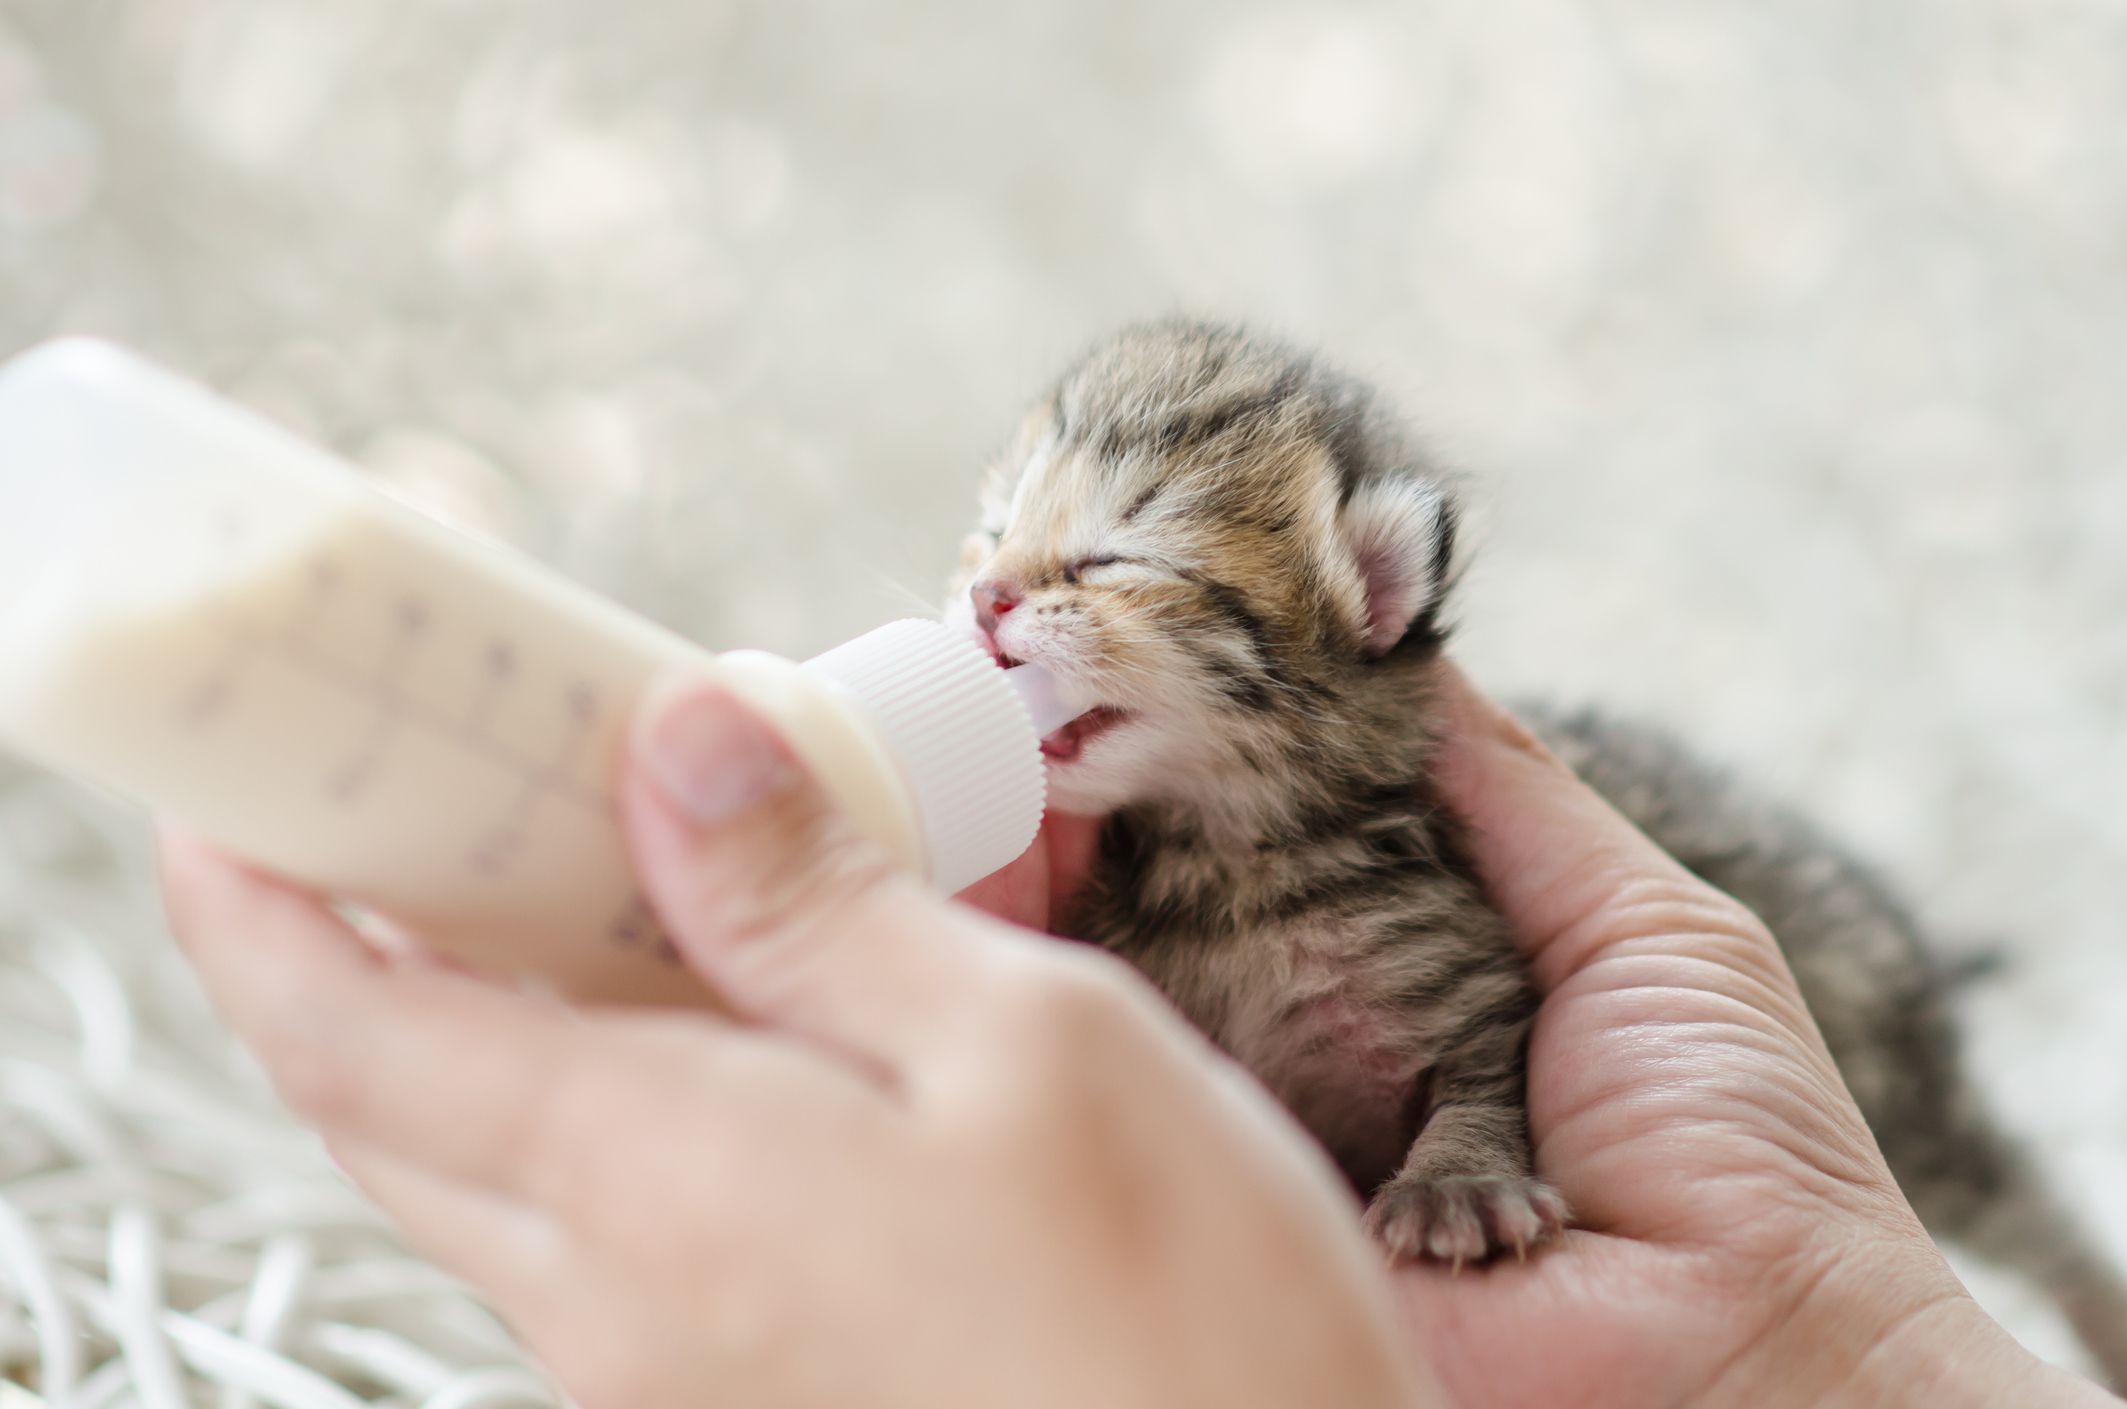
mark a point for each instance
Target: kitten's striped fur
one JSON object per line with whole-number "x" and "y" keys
{"x": 1240, "y": 552}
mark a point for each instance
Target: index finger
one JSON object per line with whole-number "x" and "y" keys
{"x": 484, "y": 1085}
{"x": 1036, "y": 888}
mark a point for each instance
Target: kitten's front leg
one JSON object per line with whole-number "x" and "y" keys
{"x": 1466, "y": 1192}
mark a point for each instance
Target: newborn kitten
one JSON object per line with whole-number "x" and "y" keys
{"x": 1243, "y": 559}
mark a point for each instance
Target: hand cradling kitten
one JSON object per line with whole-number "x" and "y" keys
{"x": 1243, "y": 559}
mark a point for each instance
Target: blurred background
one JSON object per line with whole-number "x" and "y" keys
{"x": 1782, "y": 345}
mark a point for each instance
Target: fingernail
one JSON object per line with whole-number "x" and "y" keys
{"x": 711, "y": 758}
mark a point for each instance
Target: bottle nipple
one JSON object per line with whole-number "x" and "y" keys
{"x": 1044, "y": 699}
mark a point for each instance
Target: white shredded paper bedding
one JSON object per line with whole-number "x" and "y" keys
{"x": 168, "y": 1239}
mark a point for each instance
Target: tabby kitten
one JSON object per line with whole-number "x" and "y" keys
{"x": 1243, "y": 559}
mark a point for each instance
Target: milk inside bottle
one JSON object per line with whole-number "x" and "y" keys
{"x": 212, "y": 618}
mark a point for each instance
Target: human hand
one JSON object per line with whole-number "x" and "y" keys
{"x": 1740, "y": 1239}
{"x": 1034, "y": 888}
{"x": 941, "y": 1163}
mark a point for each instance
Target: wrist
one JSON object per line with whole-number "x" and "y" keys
{"x": 1901, "y": 1330}
{"x": 1952, "y": 1355}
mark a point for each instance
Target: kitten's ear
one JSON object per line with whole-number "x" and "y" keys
{"x": 1401, "y": 535}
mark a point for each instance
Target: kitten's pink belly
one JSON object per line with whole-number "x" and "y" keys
{"x": 1340, "y": 1067}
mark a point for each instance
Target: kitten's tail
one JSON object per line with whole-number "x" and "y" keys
{"x": 1974, "y": 966}
{"x": 2012, "y": 1216}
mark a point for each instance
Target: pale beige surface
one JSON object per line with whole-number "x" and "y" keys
{"x": 1782, "y": 344}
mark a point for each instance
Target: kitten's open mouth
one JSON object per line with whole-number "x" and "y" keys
{"x": 1066, "y": 743}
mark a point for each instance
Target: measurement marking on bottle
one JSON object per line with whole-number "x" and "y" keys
{"x": 499, "y": 846}
{"x": 392, "y": 712}
{"x": 353, "y": 776}
{"x": 497, "y": 664}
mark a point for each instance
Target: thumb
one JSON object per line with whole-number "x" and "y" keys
{"x": 1574, "y": 878}
{"x": 774, "y": 896}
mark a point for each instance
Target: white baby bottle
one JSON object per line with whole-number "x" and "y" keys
{"x": 227, "y": 626}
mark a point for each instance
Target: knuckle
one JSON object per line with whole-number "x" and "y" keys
{"x": 1072, "y": 1039}
{"x": 1070, "y": 1006}
{"x": 612, "y": 1159}
{"x": 1677, "y": 904}
{"x": 1684, "y": 917}
{"x": 825, "y": 874}
{"x": 314, "y": 1078}
{"x": 308, "y": 1048}
{"x": 792, "y": 876}
{"x": 569, "y": 1145}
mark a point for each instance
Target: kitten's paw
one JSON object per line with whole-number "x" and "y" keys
{"x": 1464, "y": 1218}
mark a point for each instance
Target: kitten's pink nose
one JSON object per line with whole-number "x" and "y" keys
{"x": 993, "y": 597}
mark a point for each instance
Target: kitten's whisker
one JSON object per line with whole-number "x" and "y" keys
{"x": 925, "y": 606}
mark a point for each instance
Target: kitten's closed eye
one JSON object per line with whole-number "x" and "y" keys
{"x": 1111, "y": 567}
